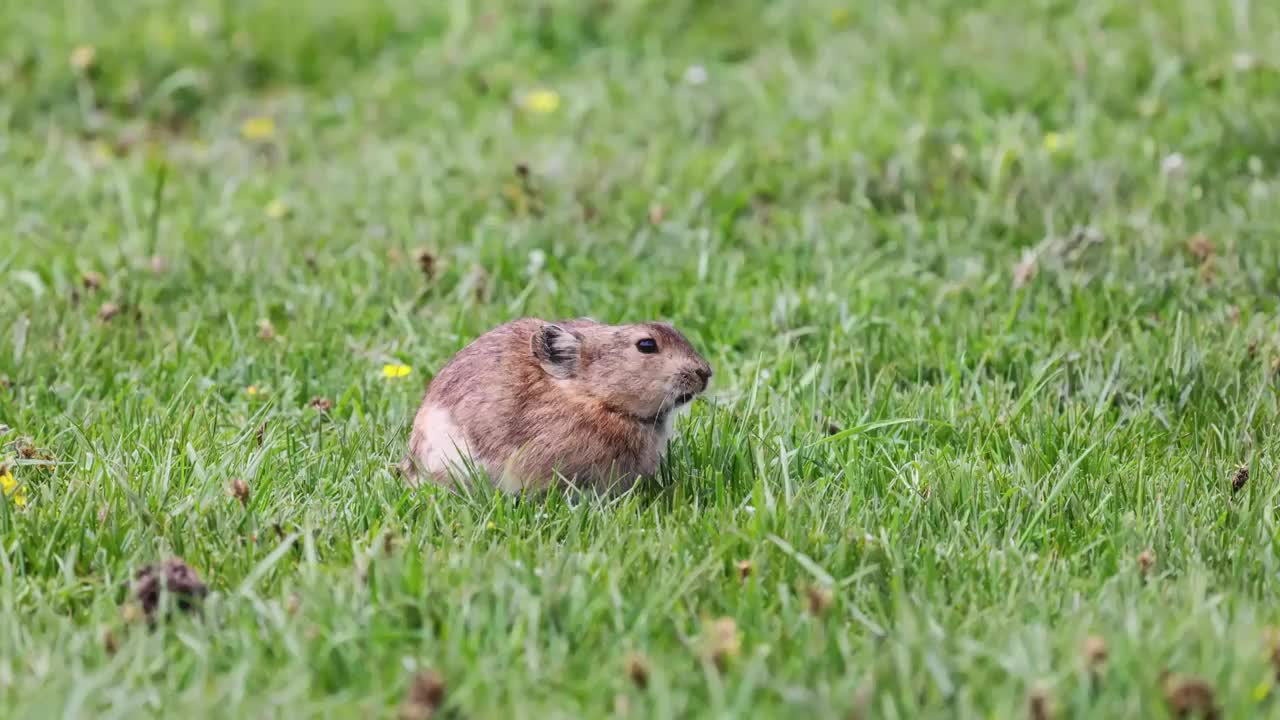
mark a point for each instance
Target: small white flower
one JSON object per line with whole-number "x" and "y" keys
{"x": 537, "y": 260}
{"x": 199, "y": 24}
{"x": 695, "y": 75}
{"x": 1242, "y": 61}
{"x": 1173, "y": 164}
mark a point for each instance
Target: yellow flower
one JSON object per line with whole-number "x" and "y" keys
{"x": 258, "y": 128}
{"x": 492, "y": 525}
{"x": 251, "y": 390}
{"x": 102, "y": 151}
{"x": 1055, "y": 142}
{"x": 11, "y": 489}
{"x": 160, "y": 33}
{"x": 395, "y": 371}
{"x": 82, "y": 57}
{"x": 199, "y": 150}
{"x": 1261, "y": 691}
{"x": 277, "y": 209}
{"x": 541, "y": 101}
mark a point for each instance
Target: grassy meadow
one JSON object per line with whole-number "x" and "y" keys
{"x": 991, "y": 289}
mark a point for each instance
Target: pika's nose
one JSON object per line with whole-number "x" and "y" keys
{"x": 704, "y": 373}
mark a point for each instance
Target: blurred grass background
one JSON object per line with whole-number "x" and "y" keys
{"x": 990, "y": 289}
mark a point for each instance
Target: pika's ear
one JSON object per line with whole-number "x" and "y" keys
{"x": 557, "y": 350}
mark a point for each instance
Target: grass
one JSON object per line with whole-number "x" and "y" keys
{"x": 990, "y": 288}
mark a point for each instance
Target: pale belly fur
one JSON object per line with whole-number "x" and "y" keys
{"x": 443, "y": 452}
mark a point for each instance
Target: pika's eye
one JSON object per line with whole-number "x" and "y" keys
{"x": 648, "y": 346}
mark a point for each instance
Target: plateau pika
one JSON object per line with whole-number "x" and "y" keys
{"x": 531, "y": 401}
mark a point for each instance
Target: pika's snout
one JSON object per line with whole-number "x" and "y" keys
{"x": 697, "y": 378}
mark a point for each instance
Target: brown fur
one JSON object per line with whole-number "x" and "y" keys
{"x": 575, "y": 399}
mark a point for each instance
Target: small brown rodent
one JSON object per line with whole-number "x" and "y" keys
{"x": 531, "y": 401}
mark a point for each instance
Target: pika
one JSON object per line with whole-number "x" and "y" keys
{"x": 535, "y": 403}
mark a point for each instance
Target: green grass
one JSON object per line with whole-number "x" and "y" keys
{"x": 839, "y": 217}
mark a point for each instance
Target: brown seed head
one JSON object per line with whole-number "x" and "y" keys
{"x": 638, "y": 670}
{"x": 82, "y": 58}
{"x": 425, "y": 696}
{"x": 173, "y": 577}
{"x": 1095, "y": 652}
{"x": 266, "y": 331}
{"x": 819, "y": 599}
{"x": 1038, "y": 705}
{"x": 240, "y": 491}
{"x": 1201, "y": 248}
{"x": 320, "y": 404}
{"x": 1146, "y": 561}
{"x": 744, "y": 569}
{"x": 91, "y": 280}
{"x": 721, "y": 641}
{"x": 1240, "y": 478}
{"x": 261, "y": 433}
{"x": 292, "y": 604}
{"x": 426, "y": 263}
{"x": 1189, "y": 697}
{"x": 108, "y": 311}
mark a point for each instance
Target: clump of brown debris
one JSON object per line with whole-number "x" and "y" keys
{"x": 173, "y": 578}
